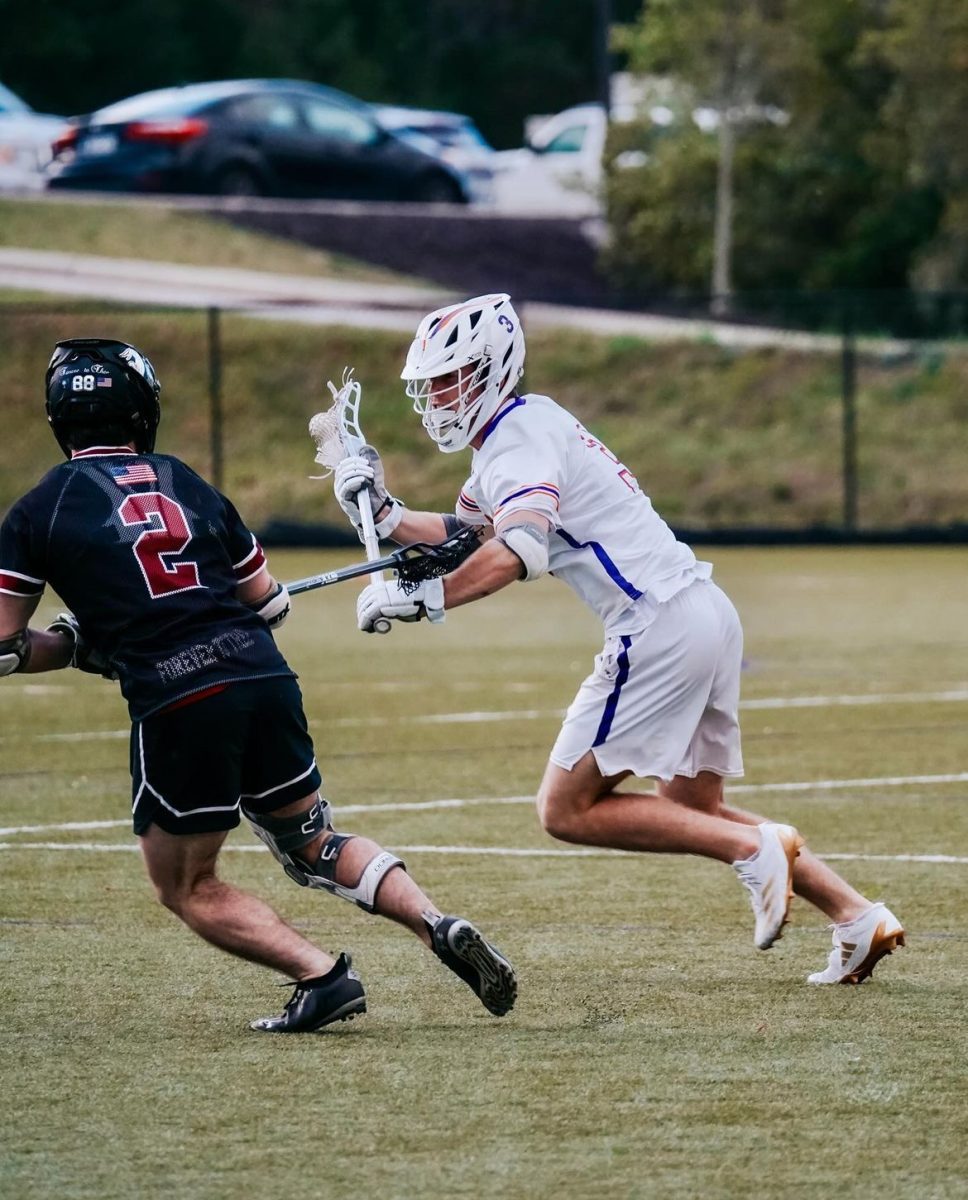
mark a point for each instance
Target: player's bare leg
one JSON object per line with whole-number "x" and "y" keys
{"x": 581, "y": 805}
{"x": 183, "y": 871}
{"x": 812, "y": 878}
{"x": 454, "y": 940}
{"x": 398, "y": 898}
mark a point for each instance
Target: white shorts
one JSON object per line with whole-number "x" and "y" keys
{"x": 664, "y": 702}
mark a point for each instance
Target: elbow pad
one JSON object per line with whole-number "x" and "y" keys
{"x": 275, "y": 607}
{"x": 14, "y": 652}
{"x": 531, "y": 544}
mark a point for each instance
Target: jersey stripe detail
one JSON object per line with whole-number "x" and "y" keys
{"x": 12, "y": 583}
{"x": 611, "y": 704}
{"x": 499, "y": 417}
{"x": 193, "y": 698}
{"x": 103, "y": 452}
{"x": 466, "y": 502}
{"x": 601, "y": 554}
{"x": 543, "y": 489}
{"x": 251, "y": 565}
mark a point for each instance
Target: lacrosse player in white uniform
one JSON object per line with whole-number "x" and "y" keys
{"x": 662, "y": 699}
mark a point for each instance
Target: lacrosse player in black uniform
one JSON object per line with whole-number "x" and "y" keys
{"x": 170, "y": 594}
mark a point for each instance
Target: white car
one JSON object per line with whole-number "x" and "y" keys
{"x": 25, "y": 142}
{"x": 560, "y": 169}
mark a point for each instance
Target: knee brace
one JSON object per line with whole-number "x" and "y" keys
{"x": 364, "y": 891}
{"x": 286, "y": 835}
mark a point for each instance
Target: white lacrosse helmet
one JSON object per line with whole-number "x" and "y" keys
{"x": 483, "y": 341}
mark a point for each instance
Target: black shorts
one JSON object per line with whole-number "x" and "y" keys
{"x": 193, "y": 765}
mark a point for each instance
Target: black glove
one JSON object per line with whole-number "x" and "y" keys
{"x": 83, "y": 654}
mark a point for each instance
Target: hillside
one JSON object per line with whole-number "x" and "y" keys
{"x": 717, "y": 437}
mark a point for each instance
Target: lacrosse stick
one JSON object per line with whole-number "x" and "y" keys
{"x": 337, "y": 433}
{"x": 414, "y": 564}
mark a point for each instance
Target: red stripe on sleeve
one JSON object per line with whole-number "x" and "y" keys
{"x": 19, "y": 585}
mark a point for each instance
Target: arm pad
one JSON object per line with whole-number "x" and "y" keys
{"x": 274, "y": 608}
{"x": 14, "y": 652}
{"x": 530, "y": 543}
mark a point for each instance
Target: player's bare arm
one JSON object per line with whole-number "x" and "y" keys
{"x": 24, "y": 650}
{"x": 265, "y": 596}
{"x": 518, "y": 551}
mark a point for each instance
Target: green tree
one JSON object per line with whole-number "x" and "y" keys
{"x": 824, "y": 202}
{"x": 925, "y": 47}
{"x": 737, "y": 56}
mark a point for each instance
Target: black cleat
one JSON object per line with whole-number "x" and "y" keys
{"x": 485, "y": 970}
{"x": 336, "y": 996}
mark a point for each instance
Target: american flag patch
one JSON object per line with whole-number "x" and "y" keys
{"x": 104, "y": 381}
{"x": 136, "y": 473}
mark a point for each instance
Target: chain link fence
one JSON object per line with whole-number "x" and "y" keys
{"x": 839, "y": 434}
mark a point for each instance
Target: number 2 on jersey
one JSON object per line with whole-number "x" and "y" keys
{"x": 168, "y": 534}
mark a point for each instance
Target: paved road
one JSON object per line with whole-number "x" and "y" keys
{"x": 313, "y": 301}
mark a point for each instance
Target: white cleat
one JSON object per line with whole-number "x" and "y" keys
{"x": 768, "y": 877}
{"x": 859, "y": 945}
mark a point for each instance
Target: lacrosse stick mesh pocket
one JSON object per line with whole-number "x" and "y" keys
{"x": 430, "y": 562}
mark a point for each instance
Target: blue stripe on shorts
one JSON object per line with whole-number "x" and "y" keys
{"x": 611, "y": 704}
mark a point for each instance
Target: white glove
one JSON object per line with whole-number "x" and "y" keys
{"x": 83, "y": 654}
{"x": 389, "y": 600}
{"x": 365, "y": 470}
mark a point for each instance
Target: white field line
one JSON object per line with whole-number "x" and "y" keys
{"x": 501, "y": 851}
{"x": 825, "y": 785}
{"x": 953, "y": 696}
{"x": 815, "y": 785}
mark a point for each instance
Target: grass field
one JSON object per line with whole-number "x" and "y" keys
{"x": 653, "y": 1052}
{"x": 718, "y": 436}
{"x": 161, "y": 234}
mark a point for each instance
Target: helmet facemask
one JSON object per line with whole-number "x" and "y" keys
{"x": 450, "y": 414}
{"x": 480, "y": 344}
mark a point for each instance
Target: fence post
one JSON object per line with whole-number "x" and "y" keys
{"x": 848, "y": 380}
{"x": 215, "y": 395}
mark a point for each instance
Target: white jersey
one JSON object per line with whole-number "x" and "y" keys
{"x": 608, "y": 544}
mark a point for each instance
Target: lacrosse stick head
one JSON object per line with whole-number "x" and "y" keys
{"x": 422, "y": 561}
{"x": 336, "y": 431}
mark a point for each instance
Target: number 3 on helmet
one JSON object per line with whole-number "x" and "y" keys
{"x": 483, "y": 341}
{"x": 102, "y": 391}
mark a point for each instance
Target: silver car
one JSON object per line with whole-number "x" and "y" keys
{"x": 25, "y": 142}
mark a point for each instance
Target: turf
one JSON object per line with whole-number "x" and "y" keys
{"x": 653, "y": 1052}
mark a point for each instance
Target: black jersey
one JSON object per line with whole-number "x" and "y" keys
{"x": 147, "y": 556}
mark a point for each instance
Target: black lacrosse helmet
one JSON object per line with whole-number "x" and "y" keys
{"x": 99, "y": 388}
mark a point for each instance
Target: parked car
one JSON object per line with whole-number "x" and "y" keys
{"x": 255, "y": 137}
{"x": 559, "y": 169}
{"x": 25, "y": 142}
{"x": 452, "y": 136}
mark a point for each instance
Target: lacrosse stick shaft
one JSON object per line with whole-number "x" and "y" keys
{"x": 416, "y": 561}
{"x": 327, "y": 578}
{"x": 371, "y": 544}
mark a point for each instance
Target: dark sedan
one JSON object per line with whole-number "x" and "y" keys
{"x": 261, "y": 137}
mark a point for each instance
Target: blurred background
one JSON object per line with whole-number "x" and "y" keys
{"x": 737, "y": 234}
